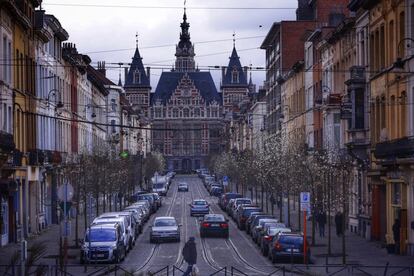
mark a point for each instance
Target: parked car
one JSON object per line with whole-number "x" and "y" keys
{"x": 130, "y": 224}
{"x": 158, "y": 199}
{"x": 224, "y": 199}
{"x": 288, "y": 246}
{"x": 256, "y": 219}
{"x": 214, "y": 225}
{"x": 199, "y": 207}
{"x": 250, "y": 219}
{"x": 237, "y": 202}
{"x": 256, "y": 230}
{"x": 268, "y": 238}
{"x": 216, "y": 191}
{"x": 133, "y": 223}
{"x": 165, "y": 228}
{"x": 182, "y": 187}
{"x": 229, "y": 205}
{"x": 138, "y": 218}
{"x": 103, "y": 243}
{"x": 122, "y": 221}
{"x": 266, "y": 225}
{"x": 243, "y": 215}
{"x": 143, "y": 208}
{"x": 150, "y": 198}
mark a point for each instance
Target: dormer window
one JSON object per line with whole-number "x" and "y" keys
{"x": 235, "y": 76}
{"x": 137, "y": 76}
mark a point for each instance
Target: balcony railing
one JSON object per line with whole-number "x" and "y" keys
{"x": 399, "y": 148}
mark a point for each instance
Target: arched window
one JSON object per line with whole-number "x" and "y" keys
{"x": 403, "y": 110}
{"x": 175, "y": 113}
{"x": 235, "y": 76}
{"x": 197, "y": 112}
{"x": 186, "y": 113}
{"x": 137, "y": 76}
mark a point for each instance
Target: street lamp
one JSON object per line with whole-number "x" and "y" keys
{"x": 53, "y": 91}
{"x": 400, "y": 62}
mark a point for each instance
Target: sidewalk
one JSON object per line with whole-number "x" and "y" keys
{"x": 50, "y": 239}
{"x": 359, "y": 250}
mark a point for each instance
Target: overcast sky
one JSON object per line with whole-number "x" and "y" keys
{"x": 112, "y": 29}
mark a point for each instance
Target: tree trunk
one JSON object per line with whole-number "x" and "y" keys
{"x": 329, "y": 216}
{"x": 299, "y": 215}
{"x": 344, "y": 220}
{"x": 288, "y": 206}
{"x": 97, "y": 204}
{"x": 104, "y": 202}
{"x": 280, "y": 206}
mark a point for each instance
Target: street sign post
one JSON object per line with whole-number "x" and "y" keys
{"x": 304, "y": 207}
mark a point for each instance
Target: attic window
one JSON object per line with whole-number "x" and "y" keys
{"x": 235, "y": 76}
{"x": 137, "y": 76}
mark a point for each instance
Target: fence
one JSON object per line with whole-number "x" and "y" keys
{"x": 117, "y": 270}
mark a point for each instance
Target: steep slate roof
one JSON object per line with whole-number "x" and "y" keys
{"x": 98, "y": 79}
{"x": 137, "y": 64}
{"x": 234, "y": 63}
{"x": 202, "y": 81}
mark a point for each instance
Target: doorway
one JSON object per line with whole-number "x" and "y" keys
{"x": 186, "y": 166}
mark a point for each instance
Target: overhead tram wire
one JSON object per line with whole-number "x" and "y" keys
{"x": 166, "y": 7}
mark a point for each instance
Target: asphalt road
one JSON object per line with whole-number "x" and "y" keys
{"x": 213, "y": 253}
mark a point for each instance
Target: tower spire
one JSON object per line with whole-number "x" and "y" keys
{"x": 234, "y": 39}
{"x": 136, "y": 39}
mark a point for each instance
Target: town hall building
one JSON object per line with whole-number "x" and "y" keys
{"x": 186, "y": 110}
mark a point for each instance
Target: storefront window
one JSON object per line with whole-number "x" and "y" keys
{"x": 396, "y": 193}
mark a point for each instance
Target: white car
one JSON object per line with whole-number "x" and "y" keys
{"x": 165, "y": 228}
{"x": 124, "y": 227}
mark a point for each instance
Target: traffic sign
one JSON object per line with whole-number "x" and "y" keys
{"x": 65, "y": 192}
{"x": 225, "y": 180}
{"x": 304, "y": 201}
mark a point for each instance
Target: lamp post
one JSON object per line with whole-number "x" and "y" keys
{"x": 53, "y": 92}
{"x": 400, "y": 62}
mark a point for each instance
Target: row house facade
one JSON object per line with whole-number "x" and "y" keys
{"x": 351, "y": 92}
{"x": 54, "y": 105}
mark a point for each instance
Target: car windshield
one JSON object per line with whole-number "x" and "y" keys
{"x": 110, "y": 221}
{"x": 158, "y": 186}
{"x": 214, "y": 218}
{"x": 182, "y": 184}
{"x": 165, "y": 222}
{"x": 293, "y": 240}
{"x": 263, "y": 221}
{"x": 199, "y": 202}
{"x": 147, "y": 197}
{"x": 100, "y": 235}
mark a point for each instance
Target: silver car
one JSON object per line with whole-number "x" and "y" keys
{"x": 103, "y": 243}
{"x": 165, "y": 228}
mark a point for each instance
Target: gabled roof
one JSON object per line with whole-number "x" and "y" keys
{"x": 137, "y": 65}
{"x": 234, "y": 64}
{"x": 170, "y": 80}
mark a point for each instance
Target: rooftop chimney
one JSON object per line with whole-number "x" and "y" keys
{"x": 101, "y": 67}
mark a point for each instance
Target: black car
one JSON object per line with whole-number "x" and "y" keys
{"x": 214, "y": 225}
{"x": 216, "y": 191}
{"x": 288, "y": 246}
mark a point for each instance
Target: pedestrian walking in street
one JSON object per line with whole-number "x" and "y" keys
{"x": 190, "y": 255}
{"x": 396, "y": 235}
{"x": 338, "y": 223}
{"x": 321, "y": 219}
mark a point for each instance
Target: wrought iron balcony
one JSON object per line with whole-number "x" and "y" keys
{"x": 398, "y": 148}
{"x": 36, "y": 157}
